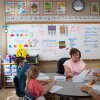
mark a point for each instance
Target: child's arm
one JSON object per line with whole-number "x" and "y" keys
{"x": 48, "y": 87}
{"x": 22, "y": 70}
{"x": 94, "y": 95}
{"x": 46, "y": 81}
{"x": 91, "y": 92}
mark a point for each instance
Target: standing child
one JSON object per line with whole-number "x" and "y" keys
{"x": 34, "y": 86}
{"x": 21, "y": 69}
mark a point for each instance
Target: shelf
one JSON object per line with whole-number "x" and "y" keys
{"x": 15, "y": 63}
{"x": 11, "y": 70}
{"x": 9, "y": 75}
{"x": 9, "y": 80}
{"x": 9, "y": 86}
{"x": 9, "y": 63}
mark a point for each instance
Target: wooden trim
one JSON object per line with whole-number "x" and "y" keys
{"x": 57, "y": 60}
{"x": 53, "y": 22}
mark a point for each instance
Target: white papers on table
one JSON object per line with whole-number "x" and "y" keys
{"x": 43, "y": 77}
{"x": 60, "y": 78}
{"x": 55, "y": 88}
{"x": 41, "y": 74}
{"x": 96, "y": 87}
{"x": 81, "y": 77}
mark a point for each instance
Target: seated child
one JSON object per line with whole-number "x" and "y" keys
{"x": 91, "y": 91}
{"x": 96, "y": 74}
{"x": 34, "y": 86}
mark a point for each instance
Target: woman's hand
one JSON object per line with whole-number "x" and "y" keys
{"x": 70, "y": 75}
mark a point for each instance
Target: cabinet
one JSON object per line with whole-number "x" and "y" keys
{"x": 10, "y": 70}
{"x": 0, "y": 73}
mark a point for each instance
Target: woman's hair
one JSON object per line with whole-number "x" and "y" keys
{"x": 19, "y": 60}
{"x": 32, "y": 72}
{"x": 74, "y": 51}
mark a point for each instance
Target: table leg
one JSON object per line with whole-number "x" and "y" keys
{"x": 72, "y": 98}
{"x": 61, "y": 98}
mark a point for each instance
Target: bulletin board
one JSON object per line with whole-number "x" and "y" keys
{"x": 53, "y": 41}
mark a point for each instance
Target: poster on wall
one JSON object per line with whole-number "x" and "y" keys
{"x": 47, "y": 7}
{"x": 35, "y": 7}
{"x": 60, "y": 7}
{"x": 95, "y": 8}
{"x": 21, "y": 8}
{"x": 9, "y": 8}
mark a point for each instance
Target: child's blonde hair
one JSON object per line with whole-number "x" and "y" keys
{"x": 32, "y": 72}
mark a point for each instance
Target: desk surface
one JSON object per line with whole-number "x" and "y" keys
{"x": 69, "y": 88}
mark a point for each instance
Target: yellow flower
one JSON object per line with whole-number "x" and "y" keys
{"x": 21, "y": 53}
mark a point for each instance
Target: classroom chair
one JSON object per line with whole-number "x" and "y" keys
{"x": 28, "y": 96}
{"x": 60, "y": 67}
{"x": 19, "y": 93}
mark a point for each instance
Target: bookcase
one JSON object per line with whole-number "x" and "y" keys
{"x": 10, "y": 70}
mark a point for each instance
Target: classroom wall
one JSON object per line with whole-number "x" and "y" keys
{"x": 2, "y": 30}
{"x": 51, "y": 65}
{"x": 69, "y": 10}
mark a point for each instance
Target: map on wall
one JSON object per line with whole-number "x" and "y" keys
{"x": 53, "y": 41}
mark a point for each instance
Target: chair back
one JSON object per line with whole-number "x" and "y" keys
{"x": 60, "y": 67}
{"x": 17, "y": 87}
{"x": 29, "y": 96}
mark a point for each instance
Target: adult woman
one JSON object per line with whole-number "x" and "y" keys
{"x": 74, "y": 65}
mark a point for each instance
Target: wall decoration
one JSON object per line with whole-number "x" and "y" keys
{"x": 21, "y": 53}
{"x": 9, "y": 8}
{"x": 47, "y": 7}
{"x": 62, "y": 44}
{"x": 61, "y": 7}
{"x": 63, "y": 30}
{"x": 35, "y": 7}
{"x": 51, "y": 44}
{"x": 21, "y": 8}
{"x": 10, "y": 19}
{"x": 95, "y": 8}
{"x": 52, "y": 30}
{"x": 47, "y": 43}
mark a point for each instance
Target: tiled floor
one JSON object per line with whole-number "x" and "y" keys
{"x": 9, "y": 94}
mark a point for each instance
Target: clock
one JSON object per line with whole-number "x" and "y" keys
{"x": 78, "y": 5}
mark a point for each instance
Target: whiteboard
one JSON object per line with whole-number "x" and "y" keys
{"x": 53, "y": 41}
